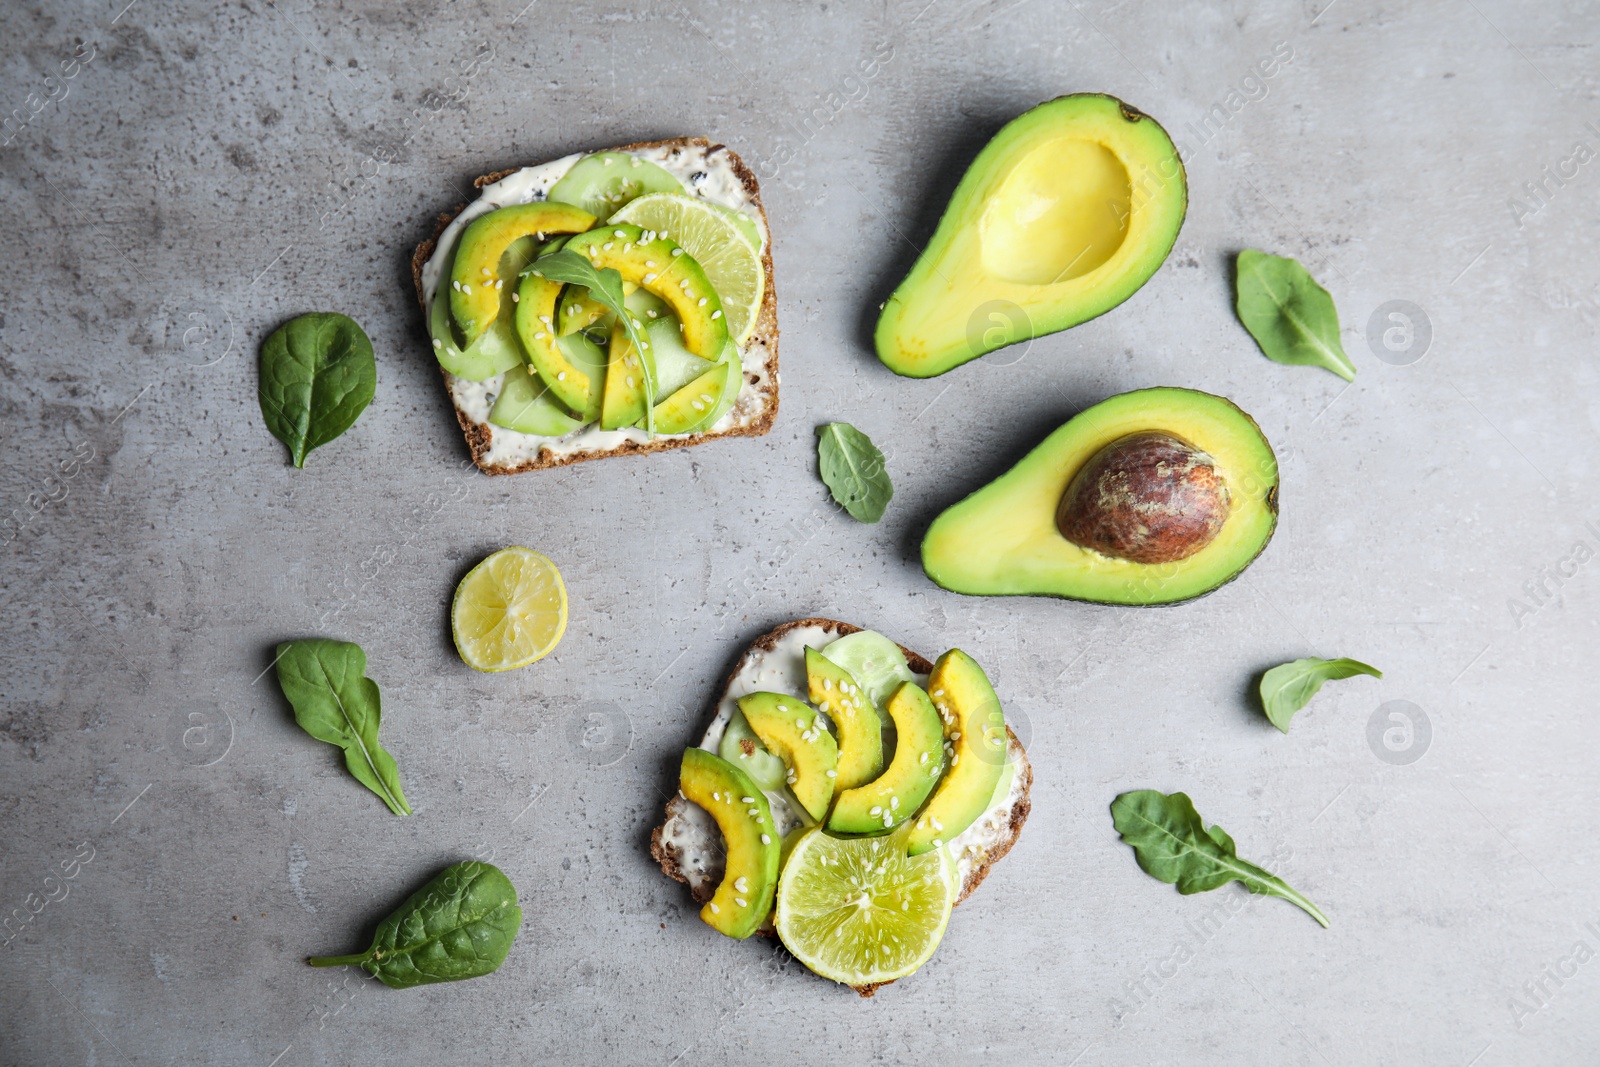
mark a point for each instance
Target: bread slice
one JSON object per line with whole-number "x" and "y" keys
{"x": 996, "y": 832}
{"x": 757, "y": 406}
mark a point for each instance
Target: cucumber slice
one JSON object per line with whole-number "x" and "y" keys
{"x": 874, "y": 661}
{"x": 525, "y": 405}
{"x": 675, "y": 365}
{"x": 603, "y": 182}
{"x": 730, "y": 355}
{"x": 747, "y": 225}
{"x": 762, "y": 766}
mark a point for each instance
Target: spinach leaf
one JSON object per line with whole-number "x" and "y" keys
{"x": 605, "y": 285}
{"x": 334, "y": 702}
{"x": 1172, "y": 844}
{"x": 460, "y": 925}
{"x": 853, "y": 470}
{"x": 317, "y": 377}
{"x": 1291, "y": 317}
{"x": 1288, "y": 687}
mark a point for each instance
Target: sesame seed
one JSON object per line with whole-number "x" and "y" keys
{"x": 875, "y": 810}
{"x": 455, "y": 285}
{"x": 652, "y": 314}
{"x": 714, "y": 909}
{"x": 765, "y": 840}
{"x": 561, "y": 376}
{"x": 484, "y": 269}
{"x": 437, "y": 343}
{"x": 630, "y": 381}
{"x": 715, "y": 314}
{"x": 741, "y": 885}
{"x": 748, "y": 800}
{"x": 648, "y": 278}
{"x": 697, "y": 405}
{"x": 833, "y": 774}
{"x": 675, "y": 251}
{"x": 608, "y": 245}
{"x": 956, "y": 736}
{"x": 923, "y": 758}
{"x": 827, "y": 683}
{"x": 650, "y": 263}
{"x": 540, "y": 336}
{"x": 545, "y": 319}
{"x": 743, "y": 903}
{"x": 955, "y": 760}
{"x": 755, "y": 812}
{"x": 894, "y": 802}
{"x": 516, "y": 298}
{"x": 619, "y": 233}
{"x": 937, "y": 825}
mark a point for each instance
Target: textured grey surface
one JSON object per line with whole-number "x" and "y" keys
{"x": 213, "y": 170}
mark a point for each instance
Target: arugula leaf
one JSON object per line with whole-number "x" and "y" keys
{"x": 853, "y": 470}
{"x": 334, "y": 702}
{"x": 460, "y": 925}
{"x": 1291, "y": 317}
{"x": 1288, "y": 687}
{"x": 605, "y": 285}
{"x": 1171, "y": 843}
{"x": 317, "y": 377}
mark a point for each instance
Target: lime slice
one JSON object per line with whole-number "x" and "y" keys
{"x": 859, "y": 910}
{"x": 509, "y": 610}
{"x": 732, "y": 266}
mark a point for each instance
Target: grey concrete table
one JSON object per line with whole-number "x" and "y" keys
{"x": 179, "y": 177}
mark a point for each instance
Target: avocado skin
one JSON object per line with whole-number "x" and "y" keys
{"x": 701, "y": 774}
{"x": 1048, "y": 454}
{"x": 1053, "y": 307}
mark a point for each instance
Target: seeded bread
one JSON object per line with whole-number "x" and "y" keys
{"x": 703, "y": 883}
{"x": 763, "y": 402}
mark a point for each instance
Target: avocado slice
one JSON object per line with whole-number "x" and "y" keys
{"x": 475, "y": 279}
{"x": 661, "y": 268}
{"x": 919, "y": 760}
{"x": 1063, "y": 216}
{"x": 623, "y": 404}
{"x": 975, "y": 741}
{"x": 603, "y": 182}
{"x": 743, "y": 900}
{"x": 576, "y": 385}
{"x": 791, "y": 730}
{"x": 741, "y": 747}
{"x": 1009, "y": 537}
{"x": 855, "y": 718}
{"x": 692, "y": 407}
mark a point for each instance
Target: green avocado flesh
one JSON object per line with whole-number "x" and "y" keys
{"x": 603, "y": 182}
{"x": 919, "y": 760}
{"x": 790, "y": 729}
{"x": 743, "y": 900}
{"x": 476, "y": 284}
{"x": 741, "y": 747}
{"x": 853, "y": 715}
{"x": 975, "y": 741}
{"x": 664, "y": 270}
{"x": 1004, "y": 540}
{"x": 1063, "y": 216}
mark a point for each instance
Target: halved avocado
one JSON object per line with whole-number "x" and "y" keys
{"x": 975, "y": 741}
{"x": 475, "y": 280}
{"x": 1063, "y": 216}
{"x": 1007, "y": 539}
{"x": 860, "y": 728}
{"x": 919, "y": 760}
{"x": 790, "y": 729}
{"x": 743, "y": 900}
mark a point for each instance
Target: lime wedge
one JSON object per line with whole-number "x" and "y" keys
{"x": 509, "y": 610}
{"x": 732, "y": 266}
{"x": 859, "y": 910}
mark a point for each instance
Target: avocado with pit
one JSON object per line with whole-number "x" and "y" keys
{"x": 790, "y": 729}
{"x": 743, "y": 900}
{"x": 919, "y": 760}
{"x": 476, "y": 283}
{"x": 860, "y": 728}
{"x": 1063, "y": 216}
{"x": 1151, "y": 497}
{"x": 975, "y": 742}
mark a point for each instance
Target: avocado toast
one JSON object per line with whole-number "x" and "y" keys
{"x": 767, "y": 749}
{"x": 543, "y": 374}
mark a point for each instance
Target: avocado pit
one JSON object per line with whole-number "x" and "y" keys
{"x": 1148, "y": 497}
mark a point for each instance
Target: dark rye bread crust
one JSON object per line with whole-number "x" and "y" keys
{"x": 669, "y": 861}
{"x": 766, "y": 329}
